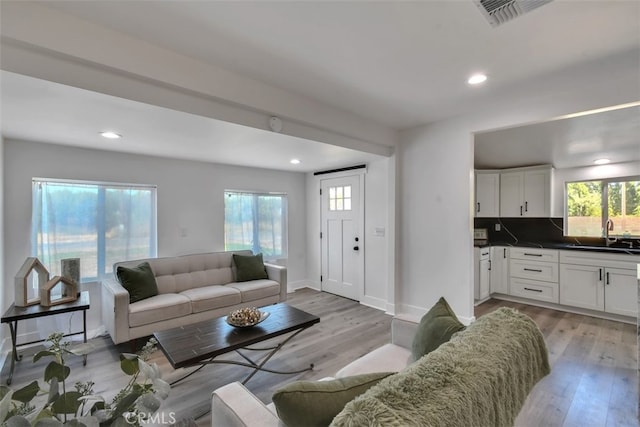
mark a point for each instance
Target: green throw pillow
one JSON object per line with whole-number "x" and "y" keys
{"x": 316, "y": 403}
{"x": 249, "y": 267}
{"x": 139, "y": 281}
{"x": 435, "y": 328}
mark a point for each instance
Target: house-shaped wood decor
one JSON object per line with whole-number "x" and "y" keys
{"x": 69, "y": 291}
{"x": 22, "y": 282}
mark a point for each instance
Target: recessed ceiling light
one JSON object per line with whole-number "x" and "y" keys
{"x": 477, "y": 79}
{"x": 111, "y": 135}
{"x": 602, "y": 161}
{"x": 294, "y": 161}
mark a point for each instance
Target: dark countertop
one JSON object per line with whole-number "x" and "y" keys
{"x": 617, "y": 249}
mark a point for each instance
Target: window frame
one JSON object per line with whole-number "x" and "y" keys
{"x": 604, "y": 204}
{"x": 284, "y": 254}
{"x": 101, "y": 253}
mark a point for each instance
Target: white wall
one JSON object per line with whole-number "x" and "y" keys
{"x": 378, "y": 263}
{"x": 435, "y": 166}
{"x": 190, "y": 196}
{"x": 3, "y": 294}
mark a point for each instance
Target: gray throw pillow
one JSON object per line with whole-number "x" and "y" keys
{"x": 249, "y": 267}
{"x": 435, "y": 328}
{"x": 316, "y": 403}
{"x": 139, "y": 281}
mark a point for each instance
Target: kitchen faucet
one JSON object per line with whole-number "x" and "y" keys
{"x": 609, "y": 227}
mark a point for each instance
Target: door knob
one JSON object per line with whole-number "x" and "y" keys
{"x": 356, "y": 248}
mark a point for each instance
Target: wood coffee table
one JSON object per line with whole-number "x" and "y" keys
{"x": 200, "y": 343}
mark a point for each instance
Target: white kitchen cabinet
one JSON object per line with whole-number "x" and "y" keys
{"x": 485, "y": 278}
{"x": 581, "y": 286}
{"x": 533, "y": 273}
{"x": 526, "y": 192}
{"x": 499, "y": 277}
{"x": 487, "y": 194}
{"x": 597, "y": 281}
{"x": 482, "y": 273}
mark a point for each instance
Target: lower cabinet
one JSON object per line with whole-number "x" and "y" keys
{"x": 582, "y": 286}
{"x": 533, "y": 274}
{"x": 499, "y": 270}
{"x": 534, "y": 289}
{"x": 599, "y": 285}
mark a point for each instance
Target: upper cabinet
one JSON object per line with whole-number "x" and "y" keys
{"x": 487, "y": 194}
{"x": 526, "y": 192}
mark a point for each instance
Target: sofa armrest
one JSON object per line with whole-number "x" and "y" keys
{"x": 403, "y": 330}
{"x": 115, "y": 310}
{"x": 233, "y": 405}
{"x": 279, "y": 274}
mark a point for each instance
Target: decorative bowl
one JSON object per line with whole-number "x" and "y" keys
{"x": 245, "y": 318}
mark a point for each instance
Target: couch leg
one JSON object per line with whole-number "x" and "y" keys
{"x": 132, "y": 345}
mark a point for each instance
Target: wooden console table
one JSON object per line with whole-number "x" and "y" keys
{"x": 15, "y": 314}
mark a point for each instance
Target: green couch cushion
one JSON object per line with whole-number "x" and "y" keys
{"x": 435, "y": 328}
{"x": 139, "y": 281}
{"x": 316, "y": 403}
{"x": 249, "y": 267}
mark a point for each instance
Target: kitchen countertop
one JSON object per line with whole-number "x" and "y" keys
{"x": 571, "y": 246}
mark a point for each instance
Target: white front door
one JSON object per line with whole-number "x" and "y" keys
{"x": 342, "y": 245}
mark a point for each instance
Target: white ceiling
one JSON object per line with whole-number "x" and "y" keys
{"x": 395, "y": 62}
{"x": 38, "y": 110}
{"x": 401, "y": 63}
{"x": 564, "y": 142}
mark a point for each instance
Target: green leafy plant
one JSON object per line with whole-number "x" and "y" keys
{"x": 131, "y": 406}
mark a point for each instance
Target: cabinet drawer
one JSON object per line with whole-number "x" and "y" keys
{"x": 547, "y": 271}
{"x": 534, "y": 254}
{"x": 533, "y": 289}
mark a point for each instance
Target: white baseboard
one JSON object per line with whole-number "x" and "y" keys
{"x": 294, "y": 286}
{"x": 374, "y": 302}
{"x": 415, "y": 313}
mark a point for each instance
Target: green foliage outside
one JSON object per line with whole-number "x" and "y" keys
{"x": 585, "y": 208}
{"x": 256, "y": 222}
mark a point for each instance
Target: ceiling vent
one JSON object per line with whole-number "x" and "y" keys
{"x": 498, "y": 12}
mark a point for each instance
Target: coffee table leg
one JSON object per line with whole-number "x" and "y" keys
{"x": 13, "y": 327}
{"x": 251, "y": 364}
{"x": 260, "y": 366}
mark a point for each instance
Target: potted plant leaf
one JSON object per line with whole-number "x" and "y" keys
{"x": 78, "y": 405}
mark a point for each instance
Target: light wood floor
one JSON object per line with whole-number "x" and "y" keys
{"x": 593, "y": 380}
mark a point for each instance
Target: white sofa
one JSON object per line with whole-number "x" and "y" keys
{"x": 191, "y": 288}
{"x": 480, "y": 377}
{"x": 234, "y": 405}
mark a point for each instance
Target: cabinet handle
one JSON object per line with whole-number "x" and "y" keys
{"x": 533, "y": 290}
{"x": 520, "y": 210}
{"x": 526, "y": 206}
{"x": 600, "y": 273}
{"x": 532, "y": 269}
{"x": 478, "y": 206}
{"x": 528, "y": 254}
{"x": 607, "y": 276}
{"x": 489, "y": 265}
{"x": 504, "y": 253}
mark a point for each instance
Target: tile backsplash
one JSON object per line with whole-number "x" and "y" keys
{"x": 533, "y": 230}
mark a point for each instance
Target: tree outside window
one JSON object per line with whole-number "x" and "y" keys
{"x": 256, "y": 221}
{"x": 591, "y": 203}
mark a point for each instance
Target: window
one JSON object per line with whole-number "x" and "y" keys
{"x": 340, "y": 198}
{"x": 591, "y": 203}
{"x": 99, "y": 223}
{"x": 256, "y": 221}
